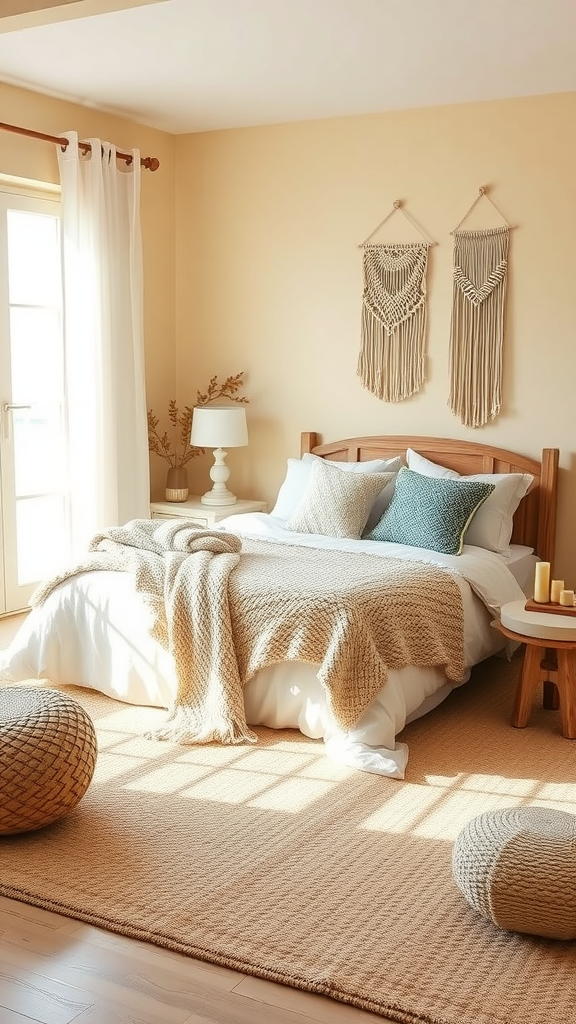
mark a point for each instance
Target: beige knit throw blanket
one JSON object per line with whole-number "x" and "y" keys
{"x": 225, "y": 615}
{"x": 182, "y": 574}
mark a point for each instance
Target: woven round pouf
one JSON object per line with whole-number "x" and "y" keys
{"x": 517, "y": 867}
{"x": 47, "y": 756}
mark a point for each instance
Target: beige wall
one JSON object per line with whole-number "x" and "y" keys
{"x": 36, "y": 160}
{"x": 269, "y": 274}
{"x": 263, "y": 251}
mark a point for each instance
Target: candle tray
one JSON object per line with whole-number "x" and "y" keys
{"x": 549, "y": 608}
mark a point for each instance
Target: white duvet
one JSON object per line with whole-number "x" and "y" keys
{"x": 93, "y": 630}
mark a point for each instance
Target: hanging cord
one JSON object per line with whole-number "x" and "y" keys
{"x": 397, "y": 205}
{"x": 482, "y": 194}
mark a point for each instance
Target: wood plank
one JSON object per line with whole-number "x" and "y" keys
{"x": 154, "y": 983}
{"x": 12, "y": 1017}
{"x": 148, "y": 953}
{"x": 39, "y": 998}
{"x": 318, "y": 1007}
{"x": 82, "y": 985}
{"x": 117, "y": 960}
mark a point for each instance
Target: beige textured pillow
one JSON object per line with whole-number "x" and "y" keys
{"x": 335, "y": 503}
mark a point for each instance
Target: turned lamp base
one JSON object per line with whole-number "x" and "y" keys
{"x": 219, "y": 473}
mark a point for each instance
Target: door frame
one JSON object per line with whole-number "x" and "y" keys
{"x": 35, "y": 199}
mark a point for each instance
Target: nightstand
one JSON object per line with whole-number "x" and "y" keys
{"x": 549, "y": 658}
{"x": 202, "y": 515}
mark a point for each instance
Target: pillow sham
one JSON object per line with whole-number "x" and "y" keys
{"x": 428, "y": 512}
{"x": 298, "y": 475}
{"x": 336, "y": 503}
{"x": 491, "y": 527}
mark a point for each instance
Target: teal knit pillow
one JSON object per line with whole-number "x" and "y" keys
{"x": 430, "y": 512}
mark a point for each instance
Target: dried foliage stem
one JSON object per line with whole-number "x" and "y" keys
{"x": 175, "y": 446}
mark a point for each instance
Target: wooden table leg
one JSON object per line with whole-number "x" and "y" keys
{"x": 529, "y": 676}
{"x": 567, "y": 690}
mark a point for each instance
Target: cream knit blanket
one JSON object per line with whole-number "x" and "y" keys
{"x": 225, "y": 615}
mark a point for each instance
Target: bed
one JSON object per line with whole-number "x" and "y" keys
{"x": 93, "y": 629}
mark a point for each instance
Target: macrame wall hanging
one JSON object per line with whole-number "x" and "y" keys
{"x": 391, "y": 363}
{"x": 477, "y": 323}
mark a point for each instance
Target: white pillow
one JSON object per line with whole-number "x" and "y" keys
{"x": 491, "y": 526}
{"x": 291, "y": 489}
{"x": 336, "y": 503}
{"x": 298, "y": 475}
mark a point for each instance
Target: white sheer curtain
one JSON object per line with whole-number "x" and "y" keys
{"x": 104, "y": 345}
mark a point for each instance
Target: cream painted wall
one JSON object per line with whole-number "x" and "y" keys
{"x": 36, "y": 160}
{"x": 268, "y": 274}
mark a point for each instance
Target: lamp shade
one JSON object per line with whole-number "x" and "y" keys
{"x": 219, "y": 426}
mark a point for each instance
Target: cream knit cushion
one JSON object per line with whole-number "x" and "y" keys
{"x": 517, "y": 867}
{"x": 336, "y": 503}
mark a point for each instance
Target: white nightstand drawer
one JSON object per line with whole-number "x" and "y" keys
{"x": 197, "y": 520}
{"x": 202, "y": 515}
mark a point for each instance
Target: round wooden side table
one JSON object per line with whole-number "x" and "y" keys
{"x": 549, "y": 658}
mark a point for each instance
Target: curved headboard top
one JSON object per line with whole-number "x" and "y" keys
{"x": 535, "y": 517}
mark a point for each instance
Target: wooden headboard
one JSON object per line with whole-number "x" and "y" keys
{"x": 535, "y": 518}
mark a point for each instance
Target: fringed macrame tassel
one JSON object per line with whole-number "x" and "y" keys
{"x": 477, "y": 325}
{"x": 391, "y": 362}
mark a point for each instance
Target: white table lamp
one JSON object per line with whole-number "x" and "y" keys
{"x": 219, "y": 427}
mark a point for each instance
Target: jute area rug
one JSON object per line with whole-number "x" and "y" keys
{"x": 276, "y": 862}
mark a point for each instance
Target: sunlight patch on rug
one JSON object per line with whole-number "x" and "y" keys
{"x": 285, "y": 778}
{"x": 277, "y": 862}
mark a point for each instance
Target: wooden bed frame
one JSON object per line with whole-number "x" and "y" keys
{"x": 535, "y": 518}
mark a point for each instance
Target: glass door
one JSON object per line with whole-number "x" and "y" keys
{"x": 33, "y": 479}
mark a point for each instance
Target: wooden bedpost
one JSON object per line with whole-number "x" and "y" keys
{"x": 308, "y": 441}
{"x": 547, "y": 505}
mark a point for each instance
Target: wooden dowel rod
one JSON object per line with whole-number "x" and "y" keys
{"x": 150, "y": 163}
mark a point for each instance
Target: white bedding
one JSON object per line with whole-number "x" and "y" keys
{"x": 93, "y": 630}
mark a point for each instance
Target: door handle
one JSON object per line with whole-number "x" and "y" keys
{"x": 8, "y": 407}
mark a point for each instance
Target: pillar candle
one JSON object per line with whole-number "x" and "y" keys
{"x": 556, "y": 588}
{"x": 567, "y": 598}
{"x": 542, "y": 583}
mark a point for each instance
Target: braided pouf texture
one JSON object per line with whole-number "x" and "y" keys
{"x": 47, "y": 756}
{"x": 517, "y": 867}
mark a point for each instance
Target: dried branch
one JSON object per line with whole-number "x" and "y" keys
{"x": 227, "y": 389}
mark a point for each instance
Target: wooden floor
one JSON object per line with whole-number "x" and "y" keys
{"x": 55, "y": 970}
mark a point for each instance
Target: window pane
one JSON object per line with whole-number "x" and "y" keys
{"x": 38, "y": 450}
{"x": 34, "y": 276}
{"x": 36, "y": 355}
{"x": 41, "y": 544}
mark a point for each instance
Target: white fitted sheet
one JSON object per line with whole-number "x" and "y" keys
{"x": 93, "y": 631}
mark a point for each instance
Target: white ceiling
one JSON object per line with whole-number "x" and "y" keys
{"x": 199, "y": 65}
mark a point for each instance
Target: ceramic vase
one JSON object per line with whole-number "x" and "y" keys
{"x": 177, "y": 484}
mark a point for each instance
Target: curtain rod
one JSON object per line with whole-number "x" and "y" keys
{"x": 150, "y": 163}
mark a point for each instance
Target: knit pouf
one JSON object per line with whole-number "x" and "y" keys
{"x": 517, "y": 867}
{"x": 47, "y": 756}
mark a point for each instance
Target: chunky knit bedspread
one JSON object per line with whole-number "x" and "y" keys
{"x": 226, "y": 608}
